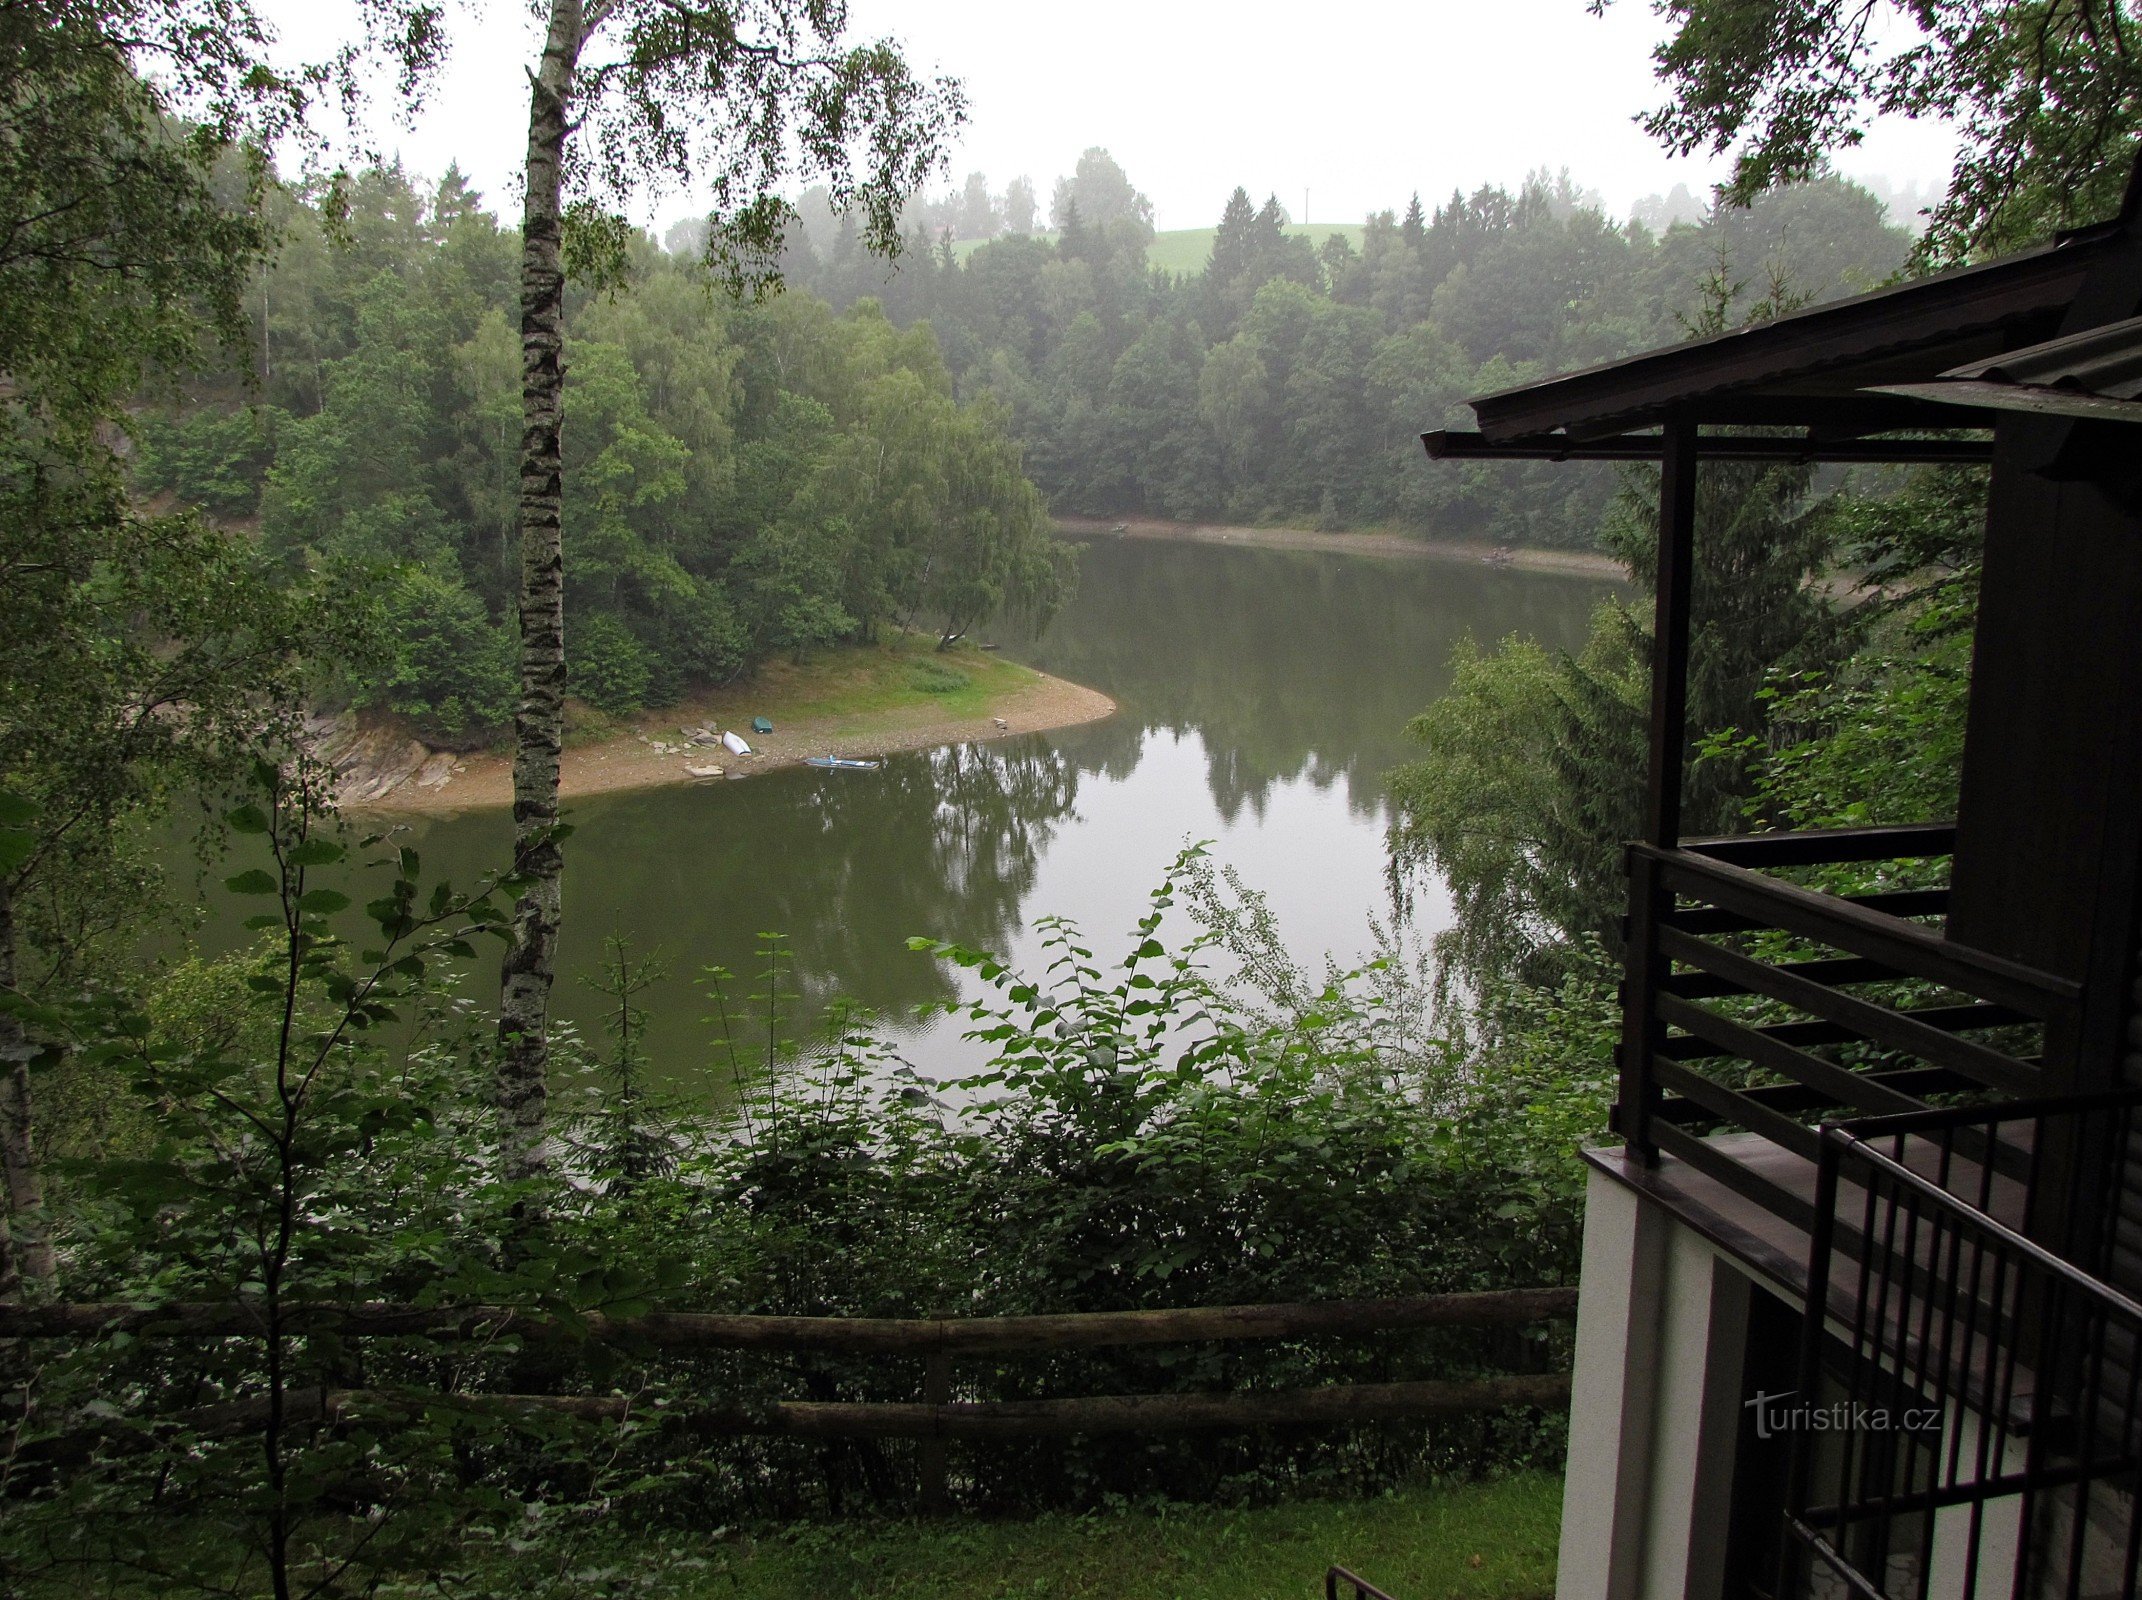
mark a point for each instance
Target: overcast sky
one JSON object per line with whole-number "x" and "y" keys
{"x": 1360, "y": 104}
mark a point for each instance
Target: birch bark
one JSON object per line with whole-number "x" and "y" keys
{"x": 529, "y": 968}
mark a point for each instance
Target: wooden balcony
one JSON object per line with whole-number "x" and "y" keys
{"x": 1881, "y": 1121}
{"x": 1758, "y": 1006}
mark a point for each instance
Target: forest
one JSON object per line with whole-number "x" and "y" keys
{"x": 746, "y": 479}
{"x": 880, "y": 446}
{"x": 1288, "y": 385}
{"x": 321, "y": 1277}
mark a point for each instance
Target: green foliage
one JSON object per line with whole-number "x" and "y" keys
{"x": 2046, "y": 96}
{"x": 215, "y": 460}
{"x": 1290, "y": 384}
{"x": 1530, "y": 779}
{"x": 1533, "y": 775}
{"x": 452, "y": 671}
{"x": 314, "y": 1128}
{"x": 608, "y": 667}
{"x": 744, "y": 102}
{"x": 283, "y": 1156}
{"x": 741, "y": 480}
{"x": 1877, "y": 737}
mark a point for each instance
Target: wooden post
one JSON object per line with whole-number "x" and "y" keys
{"x": 1669, "y": 634}
{"x": 1636, "y": 1092}
{"x": 1648, "y": 904}
{"x": 936, "y": 1392}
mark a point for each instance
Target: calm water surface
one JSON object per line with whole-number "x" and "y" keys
{"x": 1263, "y": 696}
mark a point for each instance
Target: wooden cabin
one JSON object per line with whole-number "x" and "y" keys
{"x": 1859, "y": 1306}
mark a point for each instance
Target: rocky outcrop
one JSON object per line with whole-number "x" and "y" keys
{"x": 373, "y": 757}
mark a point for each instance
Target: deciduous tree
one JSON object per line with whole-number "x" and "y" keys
{"x": 126, "y": 240}
{"x": 2045, "y": 95}
{"x": 736, "y": 97}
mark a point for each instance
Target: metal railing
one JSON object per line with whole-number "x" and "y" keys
{"x": 1968, "y": 1387}
{"x": 1760, "y": 1005}
{"x": 1362, "y": 1589}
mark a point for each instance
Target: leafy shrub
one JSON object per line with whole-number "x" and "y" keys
{"x": 693, "y": 636}
{"x": 934, "y": 677}
{"x": 449, "y": 668}
{"x": 607, "y": 666}
{"x": 216, "y": 460}
{"x": 1144, "y": 1136}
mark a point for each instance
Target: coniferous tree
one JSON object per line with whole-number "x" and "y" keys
{"x": 1072, "y": 242}
{"x": 978, "y": 212}
{"x": 1413, "y": 228}
{"x": 1234, "y": 242}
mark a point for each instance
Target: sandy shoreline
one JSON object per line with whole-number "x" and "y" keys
{"x": 1578, "y": 563}
{"x": 652, "y": 751}
{"x": 630, "y": 759}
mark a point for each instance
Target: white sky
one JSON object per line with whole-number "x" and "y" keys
{"x": 1362, "y": 103}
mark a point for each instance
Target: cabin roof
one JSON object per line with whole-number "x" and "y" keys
{"x": 1814, "y": 368}
{"x": 2096, "y": 373}
{"x": 2101, "y": 361}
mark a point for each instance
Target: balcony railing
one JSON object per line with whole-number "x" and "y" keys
{"x": 1973, "y": 1394}
{"x": 1757, "y": 1007}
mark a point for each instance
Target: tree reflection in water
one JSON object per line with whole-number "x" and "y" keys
{"x": 1264, "y": 693}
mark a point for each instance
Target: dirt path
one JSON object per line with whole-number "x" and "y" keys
{"x": 656, "y": 752}
{"x": 1582, "y": 563}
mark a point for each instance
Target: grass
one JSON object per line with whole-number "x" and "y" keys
{"x": 1482, "y": 1541}
{"x": 844, "y": 691}
{"x": 1471, "y": 1541}
{"x": 1188, "y": 249}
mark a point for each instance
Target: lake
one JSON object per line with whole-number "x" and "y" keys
{"x": 1263, "y": 695}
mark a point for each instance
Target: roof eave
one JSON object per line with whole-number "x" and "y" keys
{"x": 1688, "y": 380}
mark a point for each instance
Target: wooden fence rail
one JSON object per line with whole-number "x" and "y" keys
{"x": 936, "y": 1418}
{"x": 1086, "y": 1330}
{"x": 975, "y": 1419}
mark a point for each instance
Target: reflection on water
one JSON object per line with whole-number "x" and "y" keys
{"x": 1263, "y": 695}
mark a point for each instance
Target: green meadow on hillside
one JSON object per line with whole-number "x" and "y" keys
{"x": 1188, "y": 249}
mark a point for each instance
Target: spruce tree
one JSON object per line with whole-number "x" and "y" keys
{"x": 1234, "y": 242}
{"x": 1072, "y": 241}
{"x": 1414, "y": 227}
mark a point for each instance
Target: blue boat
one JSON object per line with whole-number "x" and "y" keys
{"x": 761, "y": 725}
{"x": 841, "y": 764}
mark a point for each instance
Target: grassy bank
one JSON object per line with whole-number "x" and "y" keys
{"x": 860, "y": 700}
{"x": 1189, "y": 249}
{"x": 1476, "y": 1541}
{"x": 1484, "y": 1541}
{"x": 848, "y": 688}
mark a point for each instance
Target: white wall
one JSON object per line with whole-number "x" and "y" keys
{"x": 1654, "y": 1406}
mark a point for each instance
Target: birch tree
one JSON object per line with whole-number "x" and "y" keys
{"x": 739, "y": 98}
